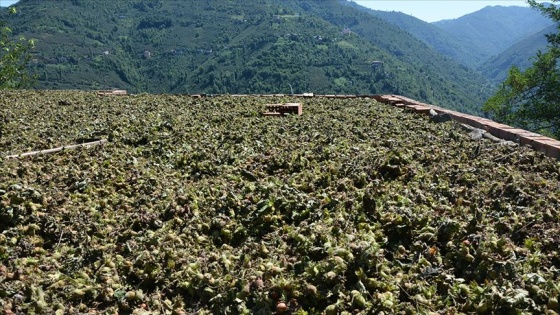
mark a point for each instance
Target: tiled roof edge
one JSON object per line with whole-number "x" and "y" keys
{"x": 547, "y": 145}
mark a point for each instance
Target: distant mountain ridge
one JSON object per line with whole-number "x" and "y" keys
{"x": 475, "y": 38}
{"x": 494, "y": 29}
{"x": 262, "y": 46}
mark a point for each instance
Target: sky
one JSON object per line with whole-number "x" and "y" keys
{"x": 431, "y": 11}
{"x": 7, "y": 3}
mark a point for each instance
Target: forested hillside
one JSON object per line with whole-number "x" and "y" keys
{"x": 263, "y": 46}
{"x": 433, "y": 36}
{"x": 478, "y": 38}
{"x": 520, "y": 54}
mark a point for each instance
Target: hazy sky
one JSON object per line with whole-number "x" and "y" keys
{"x": 429, "y": 11}
{"x": 432, "y": 11}
{"x": 6, "y": 3}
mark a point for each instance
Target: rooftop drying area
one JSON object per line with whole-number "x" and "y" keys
{"x": 202, "y": 204}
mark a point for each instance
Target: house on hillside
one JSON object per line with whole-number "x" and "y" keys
{"x": 376, "y": 64}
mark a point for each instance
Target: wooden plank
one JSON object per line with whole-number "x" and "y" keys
{"x": 406, "y": 100}
{"x": 58, "y": 149}
{"x": 112, "y": 92}
{"x": 553, "y": 150}
{"x": 419, "y": 108}
{"x": 528, "y": 137}
{"x": 286, "y": 108}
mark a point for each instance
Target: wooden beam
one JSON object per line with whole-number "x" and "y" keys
{"x": 58, "y": 149}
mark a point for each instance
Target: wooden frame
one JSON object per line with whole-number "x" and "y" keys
{"x": 283, "y": 109}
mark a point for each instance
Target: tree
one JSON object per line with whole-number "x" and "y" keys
{"x": 14, "y": 58}
{"x": 530, "y": 99}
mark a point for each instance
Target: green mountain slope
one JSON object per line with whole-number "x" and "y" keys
{"x": 437, "y": 77}
{"x": 519, "y": 55}
{"x": 433, "y": 36}
{"x": 263, "y": 46}
{"x": 495, "y": 28}
{"x": 472, "y": 39}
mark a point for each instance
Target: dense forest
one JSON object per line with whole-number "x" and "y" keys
{"x": 264, "y": 46}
